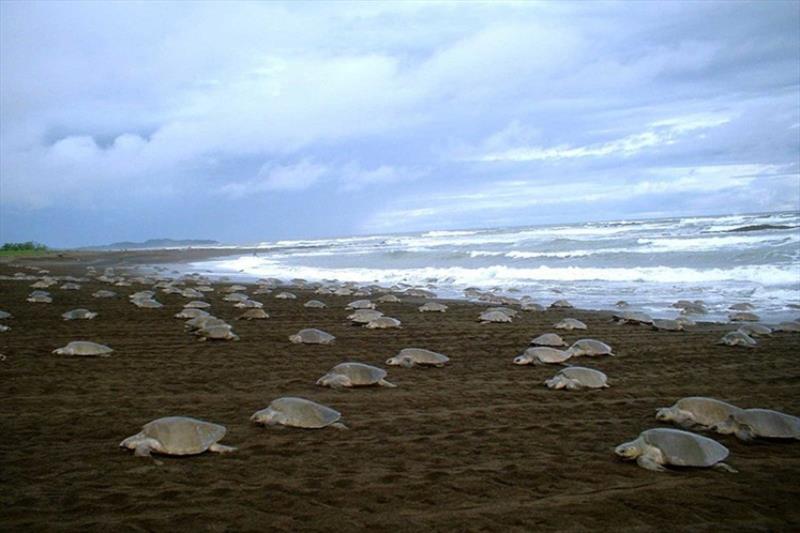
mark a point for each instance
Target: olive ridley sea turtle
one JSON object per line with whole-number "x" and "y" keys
{"x": 696, "y": 410}
{"x": 578, "y": 377}
{"x": 311, "y": 336}
{"x": 354, "y": 375}
{"x": 665, "y": 446}
{"x": 86, "y": 348}
{"x": 409, "y": 357}
{"x": 177, "y": 435}
{"x": 299, "y": 413}
{"x": 747, "y": 424}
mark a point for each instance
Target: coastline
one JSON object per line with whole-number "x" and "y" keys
{"x": 479, "y": 444}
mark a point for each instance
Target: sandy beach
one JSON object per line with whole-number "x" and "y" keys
{"x": 480, "y": 445}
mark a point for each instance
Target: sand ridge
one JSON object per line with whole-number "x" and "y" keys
{"x": 479, "y": 445}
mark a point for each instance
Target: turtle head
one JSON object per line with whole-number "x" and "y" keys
{"x": 296, "y": 339}
{"x": 557, "y": 382}
{"x": 665, "y": 414}
{"x": 522, "y": 360}
{"x": 393, "y": 361}
{"x": 264, "y": 417}
{"x": 628, "y": 450}
{"x": 334, "y": 381}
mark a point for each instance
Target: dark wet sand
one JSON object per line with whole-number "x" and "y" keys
{"x": 479, "y": 445}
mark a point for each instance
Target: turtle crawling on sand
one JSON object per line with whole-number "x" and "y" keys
{"x": 747, "y": 424}
{"x": 409, "y": 357}
{"x": 737, "y": 338}
{"x": 561, "y": 304}
{"x": 177, "y": 435}
{"x": 315, "y": 304}
{"x": 311, "y": 336}
{"x": 590, "y": 347}
{"x": 346, "y": 375}
{"x": 542, "y": 355}
{"x": 432, "y": 307}
{"x": 578, "y": 377}
{"x": 666, "y": 324}
{"x": 569, "y": 324}
{"x": 299, "y": 413}
{"x": 79, "y": 314}
{"x": 222, "y": 332}
{"x": 191, "y": 312}
{"x": 86, "y": 348}
{"x": 696, "y": 410}
{"x": 658, "y": 447}
{"x": 549, "y": 339}
{"x": 384, "y": 322}
{"x": 493, "y": 316}
{"x": 253, "y": 314}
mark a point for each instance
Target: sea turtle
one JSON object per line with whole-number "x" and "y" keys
{"x": 40, "y": 299}
{"x": 285, "y": 296}
{"x": 789, "y": 327}
{"x": 191, "y": 293}
{"x": 384, "y": 322}
{"x": 755, "y": 330}
{"x": 685, "y": 321}
{"x": 569, "y": 324}
{"x": 84, "y": 348}
{"x": 561, "y": 304}
{"x": 248, "y": 304}
{"x": 666, "y": 324}
{"x": 102, "y": 293}
{"x": 177, "y": 435}
{"x": 70, "y": 287}
{"x": 493, "y": 316}
{"x": 234, "y": 288}
{"x": 408, "y": 357}
{"x": 235, "y": 297}
{"x": 632, "y": 317}
{"x": 4, "y": 328}
{"x": 191, "y": 312}
{"x": 360, "y": 304}
{"x": 530, "y": 306}
{"x": 196, "y": 304}
{"x": 744, "y": 306}
{"x": 148, "y": 303}
{"x": 578, "y": 377}
{"x": 311, "y": 336}
{"x": 743, "y": 316}
{"x": 622, "y": 304}
{"x": 506, "y": 310}
{"x": 315, "y": 304}
{"x": 79, "y": 314}
{"x": 549, "y": 339}
{"x": 354, "y": 375}
{"x": 222, "y": 332}
{"x": 200, "y": 322}
{"x": 665, "y": 446}
{"x": 696, "y": 410}
{"x": 364, "y": 316}
{"x": 538, "y": 355}
{"x": 5, "y": 314}
{"x": 141, "y": 295}
{"x": 748, "y": 424}
{"x": 590, "y": 347}
{"x": 737, "y": 338}
{"x": 432, "y": 307}
{"x": 388, "y": 299}
{"x": 253, "y": 314}
{"x": 299, "y": 413}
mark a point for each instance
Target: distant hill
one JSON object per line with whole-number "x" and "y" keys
{"x": 154, "y": 243}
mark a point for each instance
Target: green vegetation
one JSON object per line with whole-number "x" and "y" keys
{"x": 22, "y": 248}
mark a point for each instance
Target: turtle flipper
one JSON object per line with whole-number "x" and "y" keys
{"x": 724, "y": 467}
{"x": 339, "y": 425}
{"x": 648, "y": 463}
{"x": 221, "y": 448}
{"x": 384, "y": 383}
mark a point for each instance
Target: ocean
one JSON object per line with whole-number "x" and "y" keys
{"x": 648, "y": 263}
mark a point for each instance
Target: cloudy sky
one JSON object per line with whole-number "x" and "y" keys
{"x": 260, "y": 121}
